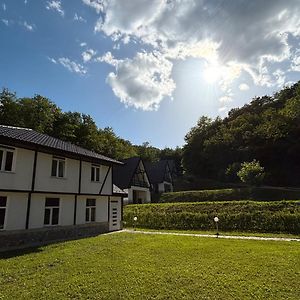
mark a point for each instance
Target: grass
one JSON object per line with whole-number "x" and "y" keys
{"x": 137, "y": 266}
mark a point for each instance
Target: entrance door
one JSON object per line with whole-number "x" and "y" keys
{"x": 115, "y": 215}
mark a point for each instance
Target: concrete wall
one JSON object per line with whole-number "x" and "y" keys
{"x": 16, "y": 210}
{"x": 107, "y": 188}
{"x": 161, "y": 187}
{"x": 21, "y": 176}
{"x": 45, "y": 182}
{"x": 101, "y": 208}
{"x": 91, "y": 187}
{"x": 16, "y": 207}
{"x": 37, "y": 209}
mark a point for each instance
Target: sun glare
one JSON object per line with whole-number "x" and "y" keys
{"x": 211, "y": 74}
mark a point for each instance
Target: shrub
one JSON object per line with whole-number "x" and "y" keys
{"x": 279, "y": 216}
{"x": 251, "y": 173}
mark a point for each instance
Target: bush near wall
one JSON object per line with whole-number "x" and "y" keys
{"x": 259, "y": 194}
{"x": 277, "y": 216}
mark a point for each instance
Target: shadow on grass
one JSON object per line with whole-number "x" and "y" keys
{"x": 25, "y": 249}
{"x": 20, "y": 252}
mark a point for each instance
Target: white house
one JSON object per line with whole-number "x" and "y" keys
{"x": 132, "y": 177}
{"x": 48, "y": 185}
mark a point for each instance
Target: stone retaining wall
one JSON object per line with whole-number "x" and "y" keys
{"x": 10, "y": 240}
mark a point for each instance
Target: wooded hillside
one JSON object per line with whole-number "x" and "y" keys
{"x": 267, "y": 129}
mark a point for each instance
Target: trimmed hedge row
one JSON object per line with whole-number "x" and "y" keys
{"x": 257, "y": 194}
{"x": 279, "y": 216}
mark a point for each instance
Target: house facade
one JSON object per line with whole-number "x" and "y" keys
{"x": 160, "y": 176}
{"x": 49, "y": 184}
{"x": 132, "y": 177}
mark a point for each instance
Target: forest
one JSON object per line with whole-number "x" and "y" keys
{"x": 267, "y": 129}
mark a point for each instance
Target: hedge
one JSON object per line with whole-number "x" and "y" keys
{"x": 257, "y": 194}
{"x": 277, "y": 216}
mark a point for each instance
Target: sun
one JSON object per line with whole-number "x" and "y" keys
{"x": 212, "y": 73}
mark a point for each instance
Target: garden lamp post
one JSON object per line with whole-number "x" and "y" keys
{"x": 134, "y": 222}
{"x": 216, "y": 220}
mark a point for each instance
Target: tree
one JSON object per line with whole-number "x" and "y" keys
{"x": 9, "y": 109}
{"x": 231, "y": 172}
{"x": 147, "y": 152}
{"x": 251, "y": 173}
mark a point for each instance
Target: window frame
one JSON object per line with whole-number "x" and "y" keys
{"x": 51, "y": 208}
{"x": 3, "y": 161}
{"x": 58, "y": 160}
{"x": 94, "y": 169}
{"x": 5, "y": 212}
{"x": 89, "y": 208}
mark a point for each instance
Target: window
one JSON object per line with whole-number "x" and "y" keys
{"x": 6, "y": 159}
{"x": 90, "y": 211}
{"x": 51, "y": 211}
{"x": 3, "y": 201}
{"x": 58, "y": 167}
{"x": 95, "y": 173}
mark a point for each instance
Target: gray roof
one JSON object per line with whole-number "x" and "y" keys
{"x": 157, "y": 170}
{"x": 122, "y": 175}
{"x": 31, "y": 137}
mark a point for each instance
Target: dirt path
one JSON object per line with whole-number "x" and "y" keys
{"x": 214, "y": 236}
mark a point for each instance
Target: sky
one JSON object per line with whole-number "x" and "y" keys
{"x": 149, "y": 69}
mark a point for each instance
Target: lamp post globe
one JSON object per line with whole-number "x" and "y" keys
{"x": 134, "y": 223}
{"x": 216, "y": 220}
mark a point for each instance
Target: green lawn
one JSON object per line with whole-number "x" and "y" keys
{"x": 138, "y": 266}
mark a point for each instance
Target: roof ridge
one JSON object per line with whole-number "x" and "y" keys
{"x": 16, "y": 127}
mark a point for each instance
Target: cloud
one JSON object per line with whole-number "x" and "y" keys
{"x": 244, "y": 87}
{"x": 56, "y": 6}
{"x": 225, "y": 99}
{"x": 108, "y": 58}
{"x": 279, "y": 76}
{"x": 242, "y": 32}
{"x": 83, "y": 44}
{"x": 4, "y": 6}
{"x": 52, "y": 60}
{"x": 79, "y": 18}
{"x": 141, "y": 82}
{"x": 96, "y": 4}
{"x": 5, "y": 21}
{"x": 69, "y": 65}
{"x": 28, "y": 26}
{"x": 295, "y": 66}
{"x": 88, "y": 55}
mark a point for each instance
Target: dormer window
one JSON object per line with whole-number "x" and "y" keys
{"x": 95, "y": 173}
{"x": 6, "y": 159}
{"x": 58, "y": 167}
